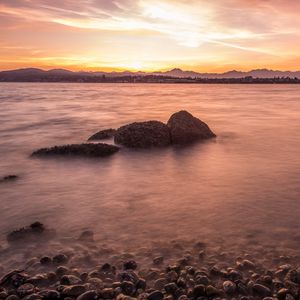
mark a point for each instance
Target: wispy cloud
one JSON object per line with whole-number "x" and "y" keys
{"x": 199, "y": 29}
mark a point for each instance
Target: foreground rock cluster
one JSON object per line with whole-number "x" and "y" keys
{"x": 189, "y": 277}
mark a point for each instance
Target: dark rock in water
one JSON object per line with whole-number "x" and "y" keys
{"x": 89, "y": 295}
{"x": 70, "y": 280}
{"x": 185, "y": 128}
{"x": 143, "y": 135}
{"x": 73, "y": 290}
{"x": 103, "y": 134}
{"x": 60, "y": 259}
{"x": 87, "y": 150}
{"x": 128, "y": 288}
{"x": 229, "y": 287}
{"x": 45, "y": 260}
{"x": 87, "y": 236}
{"x": 25, "y": 289}
{"x": 9, "y": 178}
{"x": 12, "y": 297}
{"x": 198, "y": 291}
{"x": 128, "y": 275}
{"x": 33, "y": 232}
{"x": 156, "y": 295}
{"x": 49, "y": 295}
{"x": 130, "y": 265}
{"x": 261, "y": 290}
{"x": 14, "y": 279}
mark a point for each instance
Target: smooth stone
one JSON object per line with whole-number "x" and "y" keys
{"x": 25, "y": 289}
{"x": 60, "y": 259}
{"x": 88, "y": 150}
{"x": 74, "y": 290}
{"x": 70, "y": 280}
{"x": 160, "y": 283}
{"x": 156, "y": 295}
{"x": 212, "y": 291}
{"x": 130, "y": 265}
{"x": 108, "y": 293}
{"x": 185, "y": 128}
{"x": 103, "y": 134}
{"x": 199, "y": 291}
{"x": 143, "y": 135}
{"x": 12, "y": 297}
{"x": 128, "y": 288}
{"x": 171, "y": 288}
{"x": 261, "y": 290}
{"x": 158, "y": 260}
{"x": 229, "y": 287}
{"x": 49, "y": 295}
{"x": 45, "y": 260}
{"x": 89, "y": 295}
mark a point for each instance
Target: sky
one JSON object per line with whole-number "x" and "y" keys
{"x": 150, "y": 35}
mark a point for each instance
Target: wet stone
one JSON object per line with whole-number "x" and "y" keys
{"x": 74, "y": 291}
{"x": 46, "y": 260}
{"x": 108, "y": 293}
{"x": 60, "y": 259}
{"x": 49, "y": 295}
{"x": 158, "y": 260}
{"x": 229, "y": 287}
{"x": 128, "y": 288}
{"x": 156, "y": 295}
{"x": 12, "y": 297}
{"x": 130, "y": 265}
{"x": 199, "y": 290}
{"x": 261, "y": 290}
{"x": 212, "y": 291}
{"x": 70, "y": 280}
{"x": 25, "y": 289}
{"x": 89, "y": 295}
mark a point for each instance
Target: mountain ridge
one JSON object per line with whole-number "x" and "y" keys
{"x": 175, "y": 72}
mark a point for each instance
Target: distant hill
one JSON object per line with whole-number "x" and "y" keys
{"x": 34, "y": 74}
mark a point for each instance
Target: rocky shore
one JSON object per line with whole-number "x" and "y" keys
{"x": 179, "y": 271}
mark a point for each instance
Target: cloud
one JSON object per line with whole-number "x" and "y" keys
{"x": 196, "y": 29}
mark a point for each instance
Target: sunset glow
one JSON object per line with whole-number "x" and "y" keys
{"x": 150, "y": 35}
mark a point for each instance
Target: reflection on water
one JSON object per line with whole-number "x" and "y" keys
{"x": 243, "y": 184}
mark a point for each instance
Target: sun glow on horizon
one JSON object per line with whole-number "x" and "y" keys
{"x": 150, "y": 35}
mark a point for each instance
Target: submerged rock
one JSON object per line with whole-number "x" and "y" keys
{"x": 88, "y": 150}
{"x": 185, "y": 128}
{"x": 103, "y": 134}
{"x": 8, "y": 178}
{"x": 143, "y": 135}
{"x": 35, "y": 231}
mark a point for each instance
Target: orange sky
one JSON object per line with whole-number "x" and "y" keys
{"x": 200, "y": 35}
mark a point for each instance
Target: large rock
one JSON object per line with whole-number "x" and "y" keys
{"x": 143, "y": 135}
{"x": 103, "y": 134}
{"x": 89, "y": 150}
{"x": 185, "y": 128}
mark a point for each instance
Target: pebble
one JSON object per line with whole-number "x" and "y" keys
{"x": 130, "y": 265}
{"x": 261, "y": 290}
{"x": 212, "y": 291}
{"x": 156, "y": 295}
{"x": 60, "y": 259}
{"x": 229, "y": 287}
{"x": 25, "y": 289}
{"x": 89, "y": 295}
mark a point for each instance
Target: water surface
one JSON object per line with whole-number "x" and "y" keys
{"x": 242, "y": 187}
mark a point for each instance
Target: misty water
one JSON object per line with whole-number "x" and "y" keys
{"x": 240, "y": 189}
